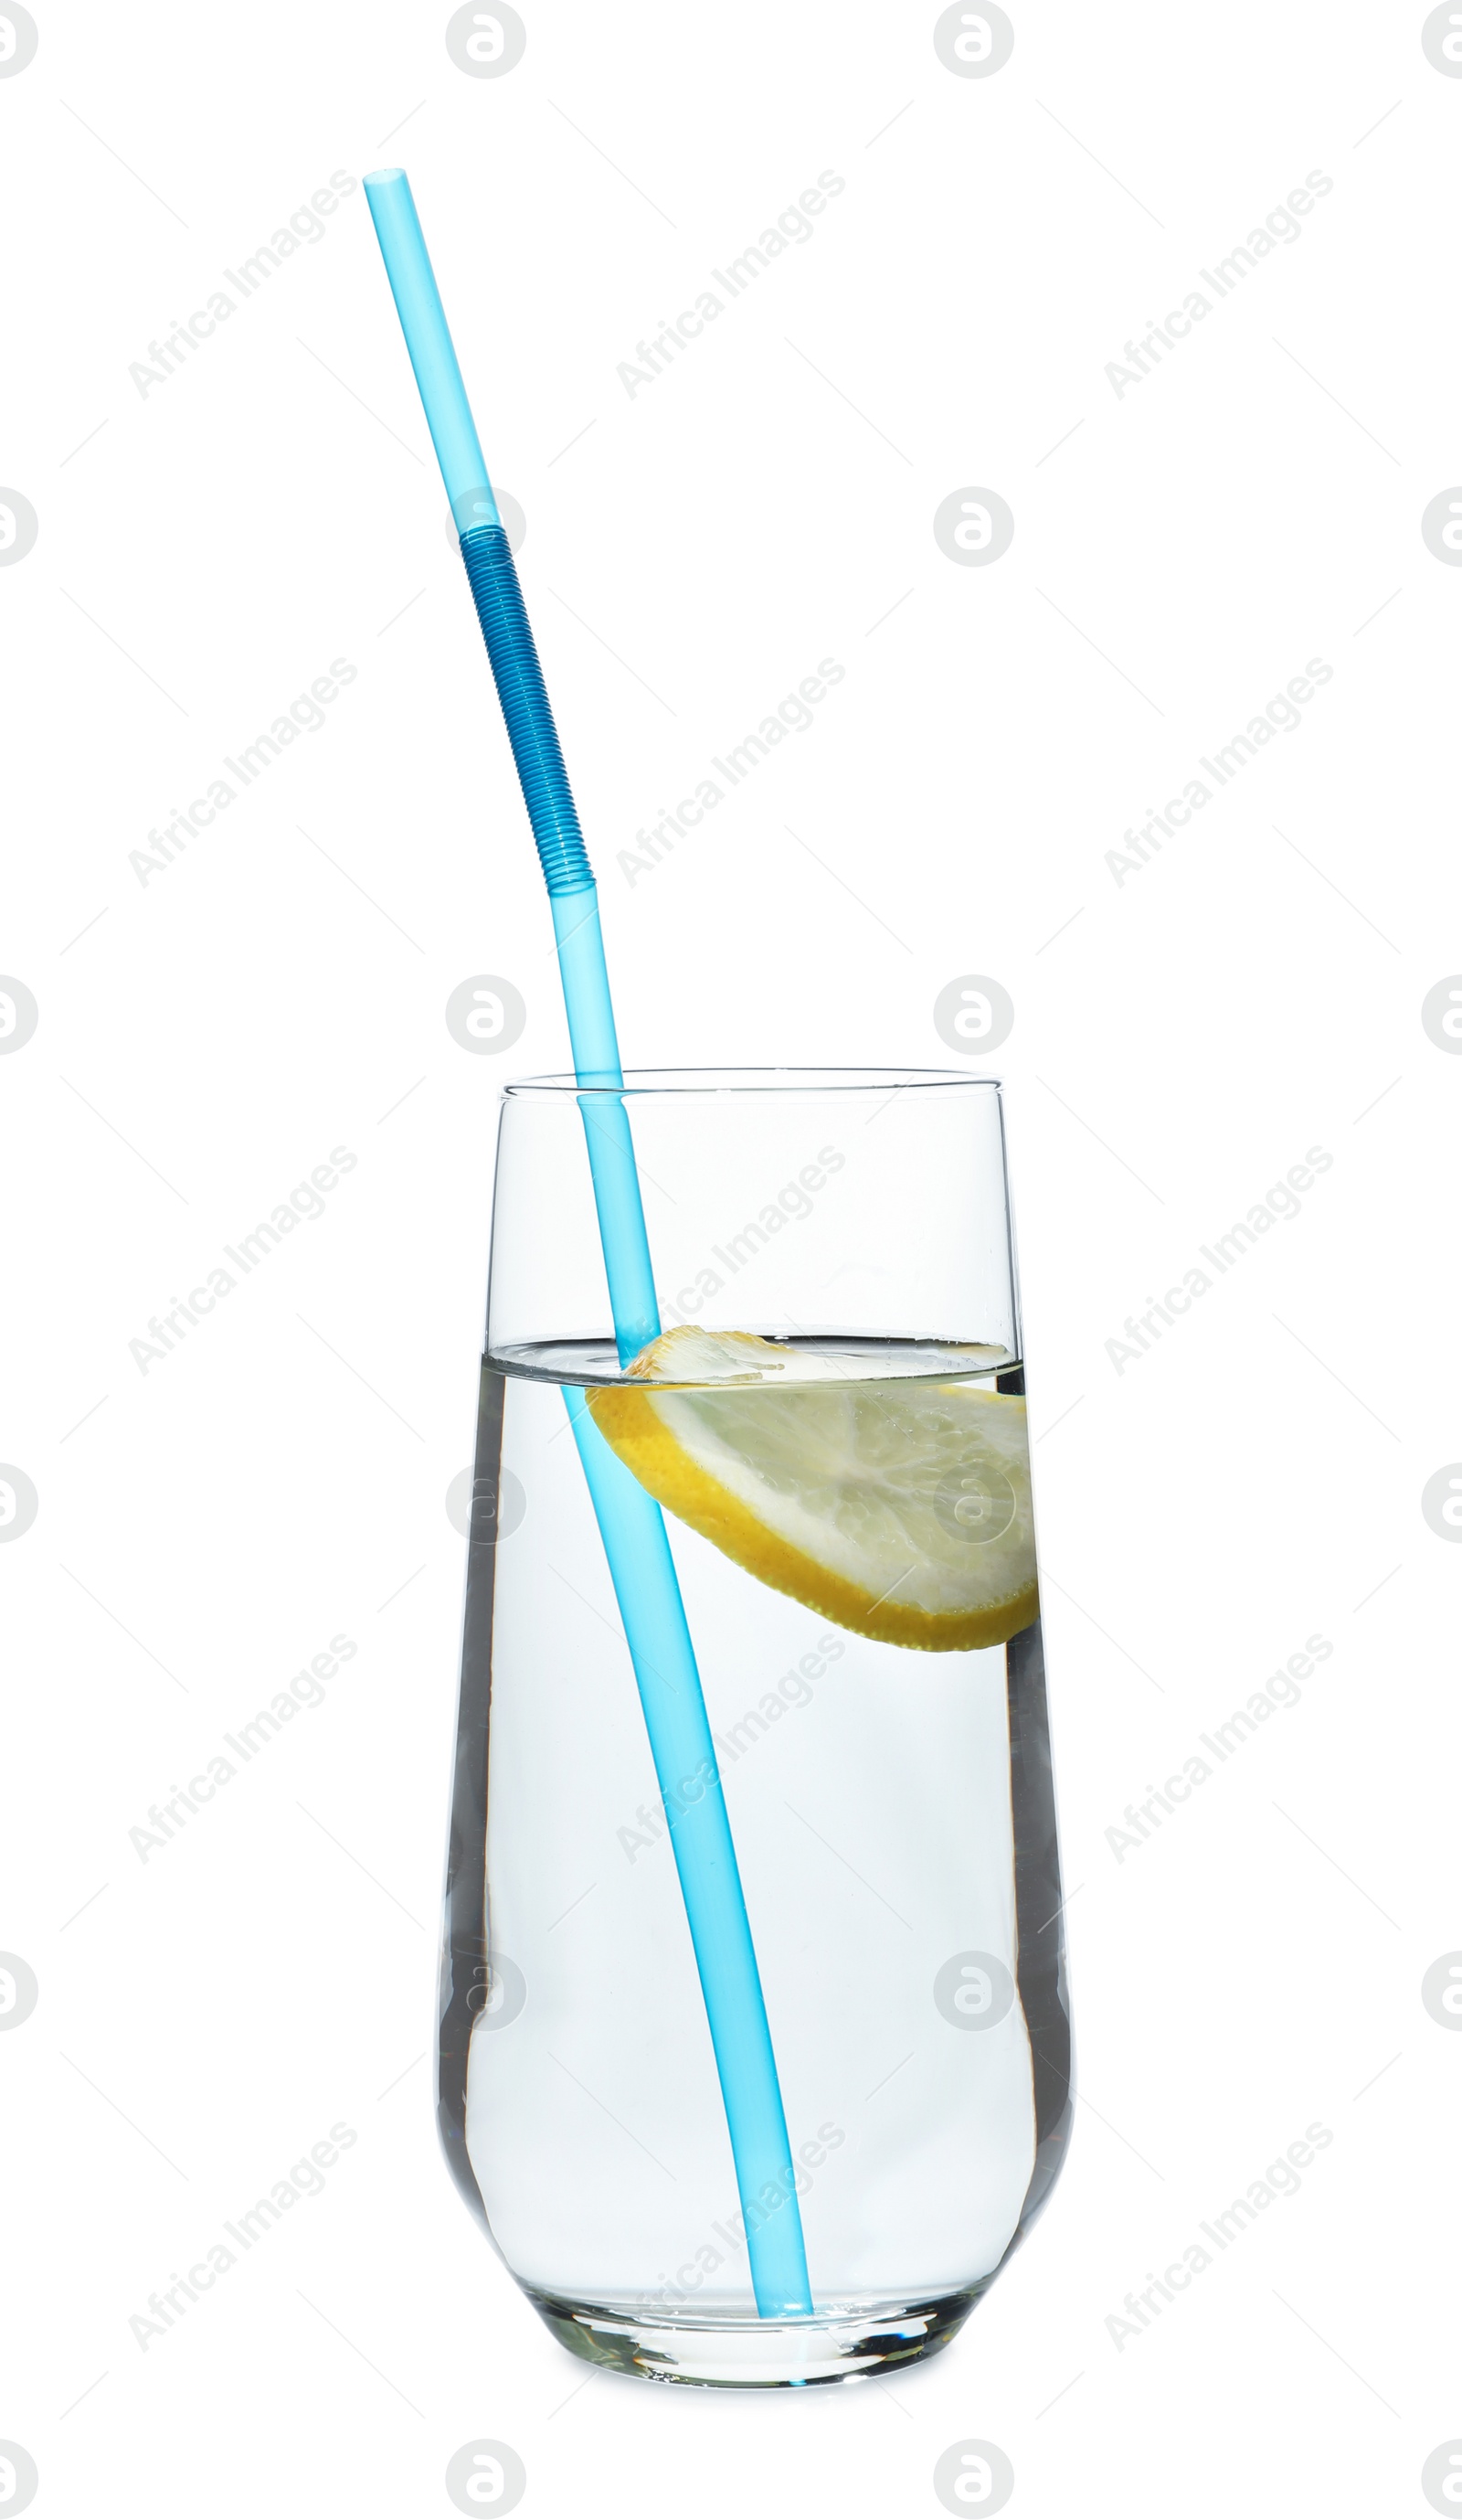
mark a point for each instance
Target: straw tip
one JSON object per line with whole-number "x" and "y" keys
{"x": 386, "y": 175}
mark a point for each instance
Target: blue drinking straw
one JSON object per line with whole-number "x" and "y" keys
{"x": 631, "y": 1523}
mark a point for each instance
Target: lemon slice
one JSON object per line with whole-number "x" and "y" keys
{"x": 899, "y": 1510}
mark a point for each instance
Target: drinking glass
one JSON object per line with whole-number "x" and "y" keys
{"x": 885, "y": 1763}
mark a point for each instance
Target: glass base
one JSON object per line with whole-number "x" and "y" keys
{"x": 851, "y": 2343}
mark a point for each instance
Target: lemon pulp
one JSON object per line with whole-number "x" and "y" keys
{"x": 897, "y": 1508}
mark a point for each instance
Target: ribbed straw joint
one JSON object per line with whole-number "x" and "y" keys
{"x": 517, "y": 671}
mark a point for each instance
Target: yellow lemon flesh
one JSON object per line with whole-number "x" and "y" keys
{"x": 899, "y": 1508}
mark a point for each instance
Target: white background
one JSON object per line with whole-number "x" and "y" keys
{"x": 1181, "y": 1039}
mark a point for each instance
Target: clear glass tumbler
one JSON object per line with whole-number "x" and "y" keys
{"x": 834, "y": 1424}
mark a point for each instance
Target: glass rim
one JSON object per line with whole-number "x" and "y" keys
{"x": 758, "y": 1080}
